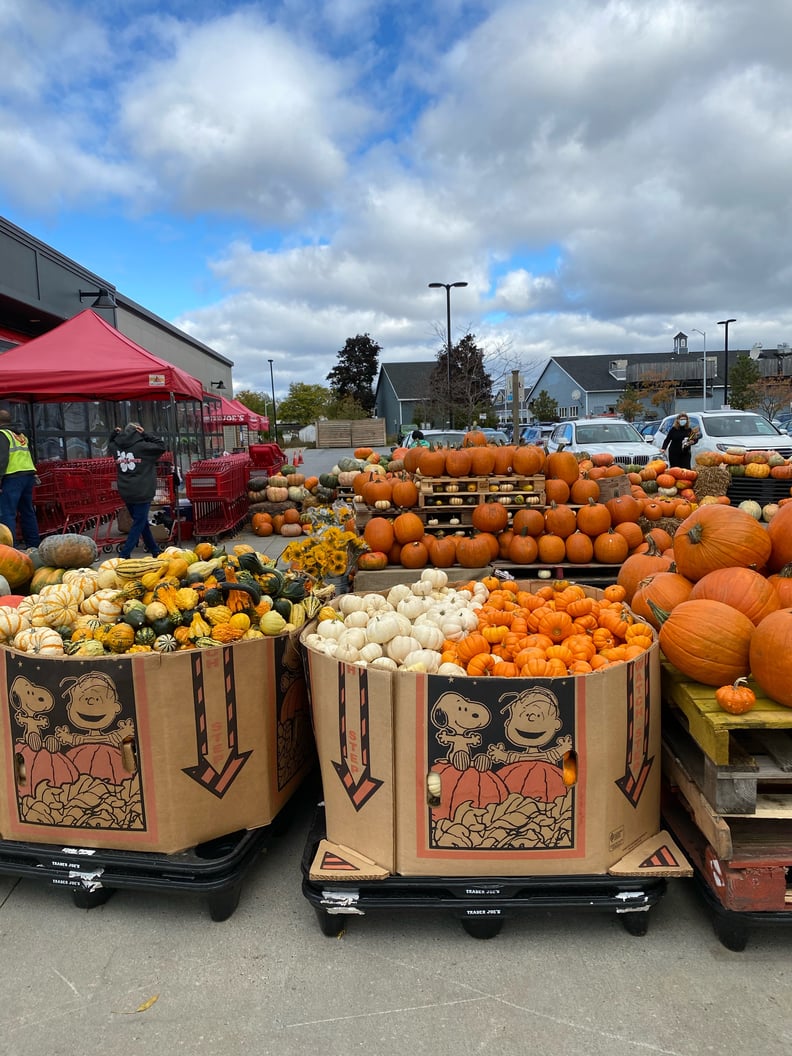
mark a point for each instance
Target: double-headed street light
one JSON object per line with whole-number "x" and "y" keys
{"x": 725, "y": 322}
{"x": 704, "y": 377}
{"x": 447, "y": 286}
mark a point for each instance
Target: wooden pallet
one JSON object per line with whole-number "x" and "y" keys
{"x": 455, "y": 493}
{"x": 756, "y": 781}
{"x": 714, "y": 730}
{"x": 751, "y": 874}
{"x": 591, "y": 572}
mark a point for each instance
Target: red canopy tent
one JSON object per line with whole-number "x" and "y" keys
{"x": 87, "y": 359}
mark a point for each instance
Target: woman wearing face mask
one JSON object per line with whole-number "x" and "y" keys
{"x": 677, "y": 443}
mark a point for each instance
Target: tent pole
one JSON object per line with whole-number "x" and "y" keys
{"x": 173, "y": 426}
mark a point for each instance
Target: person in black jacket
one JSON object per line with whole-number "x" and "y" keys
{"x": 678, "y": 442}
{"x": 136, "y": 453}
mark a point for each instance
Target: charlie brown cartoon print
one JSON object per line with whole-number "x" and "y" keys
{"x": 517, "y": 791}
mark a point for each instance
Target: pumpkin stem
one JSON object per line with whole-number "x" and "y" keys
{"x": 661, "y": 615}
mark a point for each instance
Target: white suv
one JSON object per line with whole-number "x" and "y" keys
{"x": 721, "y": 430}
{"x": 597, "y": 436}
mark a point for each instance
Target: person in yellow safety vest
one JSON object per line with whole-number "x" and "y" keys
{"x": 17, "y": 478}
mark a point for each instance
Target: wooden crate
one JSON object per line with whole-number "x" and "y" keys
{"x": 439, "y": 493}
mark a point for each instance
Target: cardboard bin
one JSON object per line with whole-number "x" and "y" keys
{"x": 505, "y": 750}
{"x": 153, "y": 752}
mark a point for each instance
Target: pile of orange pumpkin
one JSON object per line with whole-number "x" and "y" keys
{"x": 574, "y": 527}
{"x": 552, "y": 632}
{"x": 721, "y": 598}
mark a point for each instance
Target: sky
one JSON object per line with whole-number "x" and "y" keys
{"x": 274, "y": 178}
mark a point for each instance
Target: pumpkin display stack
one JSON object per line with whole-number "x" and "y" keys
{"x": 152, "y": 703}
{"x": 482, "y": 756}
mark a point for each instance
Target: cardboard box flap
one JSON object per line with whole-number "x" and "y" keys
{"x": 336, "y": 862}
{"x": 658, "y": 856}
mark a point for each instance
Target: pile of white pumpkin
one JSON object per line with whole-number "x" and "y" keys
{"x": 403, "y": 629}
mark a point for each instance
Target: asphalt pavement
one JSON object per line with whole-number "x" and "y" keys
{"x": 150, "y": 972}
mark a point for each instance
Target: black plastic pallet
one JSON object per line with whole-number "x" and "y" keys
{"x": 215, "y": 869}
{"x": 760, "y": 489}
{"x": 480, "y": 903}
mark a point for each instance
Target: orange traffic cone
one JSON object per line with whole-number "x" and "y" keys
{"x": 299, "y": 459}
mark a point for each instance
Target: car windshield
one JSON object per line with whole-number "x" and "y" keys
{"x": 608, "y": 433}
{"x": 740, "y": 425}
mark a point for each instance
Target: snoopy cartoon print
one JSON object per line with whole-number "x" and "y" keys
{"x": 92, "y": 705}
{"x": 458, "y": 721}
{"x": 532, "y": 721}
{"x": 30, "y": 703}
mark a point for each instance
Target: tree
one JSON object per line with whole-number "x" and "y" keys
{"x": 661, "y": 391}
{"x": 305, "y": 403}
{"x": 345, "y": 407}
{"x": 357, "y": 367}
{"x": 771, "y": 395}
{"x": 543, "y": 407}
{"x": 258, "y": 402}
{"x": 471, "y": 386}
{"x": 629, "y": 404}
{"x": 744, "y": 374}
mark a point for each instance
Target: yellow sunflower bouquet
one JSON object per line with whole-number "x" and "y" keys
{"x": 328, "y": 552}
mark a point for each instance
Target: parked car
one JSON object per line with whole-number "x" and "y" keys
{"x": 648, "y": 429}
{"x": 444, "y": 437}
{"x": 603, "y": 436}
{"x": 496, "y": 436}
{"x": 537, "y": 434}
{"x": 721, "y": 430}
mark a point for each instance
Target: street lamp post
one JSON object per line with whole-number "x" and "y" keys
{"x": 725, "y": 322}
{"x": 447, "y": 286}
{"x": 704, "y": 376}
{"x": 274, "y": 415}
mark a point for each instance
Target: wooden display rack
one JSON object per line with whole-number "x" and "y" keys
{"x": 728, "y": 801}
{"x": 457, "y": 493}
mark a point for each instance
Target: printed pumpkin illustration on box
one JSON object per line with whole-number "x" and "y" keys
{"x": 73, "y": 745}
{"x": 295, "y": 748}
{"x": 505, "y": 764}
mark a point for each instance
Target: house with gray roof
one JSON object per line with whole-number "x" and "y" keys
{"x": 401, "y": 388}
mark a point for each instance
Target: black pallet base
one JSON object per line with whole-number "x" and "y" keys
{"x": 215, "y": 869}
{"x": 591, "y": 574}
{"x": 481, "y": 904}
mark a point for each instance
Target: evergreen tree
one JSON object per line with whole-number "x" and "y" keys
{"x": 743, "y": 375}
{"x": 354, "y": 374}
{"x": 471, "y": 386}
{"x": 544, "y": 408}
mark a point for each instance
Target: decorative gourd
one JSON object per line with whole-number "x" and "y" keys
{"x": 119, "y": 638}
{"x": 708, "y": 641}
{"x": 277, "y": 494}
{"x": 736, "y": 698}
{"x": 6, "y": 535}
{"x": 165, "y": 643}
{"x": 43, "y": 640}
{"x": 85, "y": 579}
{"x": 15, "y": 567}
{"x": 44, "y": 577}
{"x": 12, "y": 622}
{"x": 68, "y": 550}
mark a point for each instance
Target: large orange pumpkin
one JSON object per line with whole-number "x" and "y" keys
{"x": 708, "y": 641}
{"x": 528, "y": 460}
{"x": 442, "y": 551}
{"x": 378, "y": 533}
{"x": 458, "y": 462}
{"x": 716, "y": 536}
{"x": 782, "y": 582}
{"x": 414, "y": 555}
{"x": 742, "y": 588}
{"x": 405, "y": 493}
{"x": 771, "y": 656}
{"x": 780, "y": 532}
{"x": 473, "y": 551}
{"x": 482, "y": 461}
{"x": 665, "y": 590}
{"x": 407, "y": 528}
{"x": 562, "y": 465}
{"x": 490, "y": 517}
{"x": 638, "y": 566}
